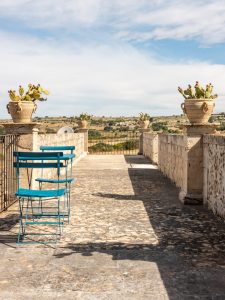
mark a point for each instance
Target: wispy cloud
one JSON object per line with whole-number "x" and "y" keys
{"x": 104, "y": 79}
{"x": 90, "y": 54}
{"x": 139, "y": 20}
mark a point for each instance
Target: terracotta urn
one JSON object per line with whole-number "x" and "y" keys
{"x": 144, "y": 124}
{"x": 198, "y": 111}
{"x": 83, "y": 124}
{"x": 21, "y": 111}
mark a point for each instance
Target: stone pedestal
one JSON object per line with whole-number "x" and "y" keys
{"x": 141, "y": 140}
{"x": 85, "y": 132}
{"x": 199, "y": 129}
{"x": 192, "y": 191}
{"x": 27, "y": 134}
{"x": 26, "y": 141}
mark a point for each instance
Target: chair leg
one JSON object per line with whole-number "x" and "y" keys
{"x": 59, "y": 217}
{"x": 68, "y": 205}
{"x": 22, "y": 226}
{"x": 21, "y": 220}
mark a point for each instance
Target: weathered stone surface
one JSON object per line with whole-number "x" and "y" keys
{"x": 199, "y": 129}
{"x": 172, "y": 158}
{"x": 84, "y": 132}
{"x": 214, "y": 171}
{"x": 150, "y": 146}
{"x": 129, "y": 238}
{"x": 180, "y": 158}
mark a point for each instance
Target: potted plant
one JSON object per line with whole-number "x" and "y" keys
{"x": 199, "y": 103}
{"x": 83, "y": 120}
{"x": 144, "y": 120}
{"x": 22, "y": 106}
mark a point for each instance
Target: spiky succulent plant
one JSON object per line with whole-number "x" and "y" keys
{"x": 33, "y": 93}
{"x": 198, "y": 92}
{"x": 84, "y": 117}
{"x": 143, "y": 117}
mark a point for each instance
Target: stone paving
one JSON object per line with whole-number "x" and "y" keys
{"x": 129, "y": 238}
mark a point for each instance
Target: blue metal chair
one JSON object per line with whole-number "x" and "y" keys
{"x": 68, "y": 159}
{"x": 31, "y": 200}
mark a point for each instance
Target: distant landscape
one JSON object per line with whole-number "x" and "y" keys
{"x": 118, "y": 134}
{"x": 168, "y": 124}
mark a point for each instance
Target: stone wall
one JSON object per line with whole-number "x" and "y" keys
{"x": 214, "y": 173}
{"x": 68, "y": 139}
{"x": 150, "y": 146}
{"x": 171, "y": 155}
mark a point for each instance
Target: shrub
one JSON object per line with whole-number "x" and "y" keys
{"x": 108, "y": 128}
{"x": 159, "y": 126}
{"x": 101, "y": 147}
{"x": 94, "y": 134}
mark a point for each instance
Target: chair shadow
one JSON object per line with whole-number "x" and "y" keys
{"x": 6, "y": 224}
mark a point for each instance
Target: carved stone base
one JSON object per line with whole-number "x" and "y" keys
{"x": 199, "y": 129}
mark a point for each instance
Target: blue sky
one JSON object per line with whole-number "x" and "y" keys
{"x": 111, "y": 57}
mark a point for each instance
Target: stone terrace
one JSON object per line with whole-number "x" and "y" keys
{"x": 129, "y": 238}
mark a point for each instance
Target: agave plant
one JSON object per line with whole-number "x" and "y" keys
{"x": 198, "y": 92}
{"x": 144, "y": 117}
{"x": 33, "y": 93}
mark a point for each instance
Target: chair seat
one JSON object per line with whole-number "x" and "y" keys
{"x": 55, "y": 180}
{"x": 43, "y": 223}
{"x": 40, "y": 193}
{"x": 68, "y": 156}
{"x": 62, "y": 157}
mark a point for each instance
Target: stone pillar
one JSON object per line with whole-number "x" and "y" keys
{"x": 85, "y": 132}
{"x": 141, "y": 140}
{"x": 27, "y": 141}
{"x": 192, "y": 191}
{"x": 27, "y": 135}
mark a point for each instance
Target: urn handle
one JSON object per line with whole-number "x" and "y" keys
{"x": 35, "y": 107}
{"x": 205, "y": 107}
{"x": 183, "y": 108}
{"x": 7, "y": 106}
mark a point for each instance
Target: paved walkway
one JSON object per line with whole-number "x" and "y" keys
{"x": 129, "y": 238}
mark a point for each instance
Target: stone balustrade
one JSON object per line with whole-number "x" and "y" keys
{"x": 195, "y": 162}
{"x": 68, "y": 139}
{"x": 171, "y": 155}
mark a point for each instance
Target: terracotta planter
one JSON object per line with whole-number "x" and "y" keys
{"x": 198, "y": 111}
{"x": 21, "y": 112}
{"x": 144, "y": 124}
{"x": 83, "y": 124}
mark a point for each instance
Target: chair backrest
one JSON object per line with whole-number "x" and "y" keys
{"x": 57, "y": 148}
{"x": 46, "y": 160}
{"x": 61, "y": 148}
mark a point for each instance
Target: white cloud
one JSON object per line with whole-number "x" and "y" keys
{"x": 203, "y": 20}
{"x": 109, "y": 79}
